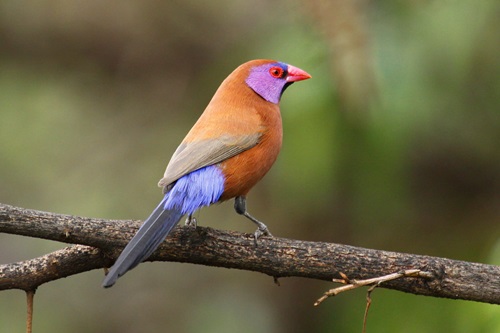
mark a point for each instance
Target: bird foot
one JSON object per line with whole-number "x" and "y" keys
{"x": 191, "y": 222}
{"x": 262, "y": 230}
{"x": 240, "y": 208}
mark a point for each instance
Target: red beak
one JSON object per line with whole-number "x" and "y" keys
{"x": 296, "y": 74}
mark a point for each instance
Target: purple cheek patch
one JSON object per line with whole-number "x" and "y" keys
{"x": 264, "y": 84}
{"x": 202, "y": 187}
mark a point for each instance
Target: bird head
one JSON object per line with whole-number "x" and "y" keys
{"x": 270, "y": 78}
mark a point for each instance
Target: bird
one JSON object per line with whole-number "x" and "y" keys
{"x": 228, "y": 150}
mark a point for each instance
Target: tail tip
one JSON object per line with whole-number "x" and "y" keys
{"x": 108, "y": 282}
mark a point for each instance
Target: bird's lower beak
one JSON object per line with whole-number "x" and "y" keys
{"x": 296, "y": 74}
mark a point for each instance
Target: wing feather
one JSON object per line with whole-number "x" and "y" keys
{"x": 198, "y": 154}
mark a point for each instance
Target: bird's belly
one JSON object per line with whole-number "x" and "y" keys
{"x": 244, "y": 170}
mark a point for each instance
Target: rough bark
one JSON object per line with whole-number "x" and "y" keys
{"x": 100, "y": 241}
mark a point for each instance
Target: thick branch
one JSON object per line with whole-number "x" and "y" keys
{"x": 28, "y": 275}
{"x": 277, "y": 257}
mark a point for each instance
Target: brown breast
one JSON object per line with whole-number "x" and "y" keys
{"x": 244, "y": 170}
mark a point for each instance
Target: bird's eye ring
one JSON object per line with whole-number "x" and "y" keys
{"x": 276, "y": 72}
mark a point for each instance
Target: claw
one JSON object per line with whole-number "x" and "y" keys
{"x": 191, "y": 222}
{"x": 262, "y": 230}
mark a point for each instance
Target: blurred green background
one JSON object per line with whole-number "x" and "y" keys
{"x": 394, "y": 145}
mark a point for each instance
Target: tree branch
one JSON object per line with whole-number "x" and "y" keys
{"x": 100, "y": 242}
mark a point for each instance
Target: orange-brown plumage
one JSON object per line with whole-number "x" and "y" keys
{"x": 237, "y": 110}
{"x": 244, "y": 170}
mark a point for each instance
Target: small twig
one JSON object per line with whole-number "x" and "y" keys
{"x": 276, "y": 281}
{"x": 373, "y": 282}
{"x": 353, "y": 284}
{"x": 368, "y": 304}
{"x": 30, "y": 294}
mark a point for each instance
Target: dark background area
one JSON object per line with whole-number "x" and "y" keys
{"x": 393, "y": 144}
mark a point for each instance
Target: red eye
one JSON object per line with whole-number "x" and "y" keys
{"x": 276, "y": 72}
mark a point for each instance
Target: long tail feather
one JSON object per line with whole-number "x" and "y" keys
{"x": 149, "y": 236}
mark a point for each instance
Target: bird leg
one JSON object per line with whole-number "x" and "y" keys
{"x": 240, "y": 206}
{"x": 191, "y": 221}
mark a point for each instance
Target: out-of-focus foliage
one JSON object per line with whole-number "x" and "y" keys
{"x": 96, "y": 95}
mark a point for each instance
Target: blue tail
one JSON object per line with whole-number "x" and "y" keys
{"x": 150, "y": 235}
{"x": 192, "y": 191}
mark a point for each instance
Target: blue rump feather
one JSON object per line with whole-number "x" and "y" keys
{"x": 199, "y": 188}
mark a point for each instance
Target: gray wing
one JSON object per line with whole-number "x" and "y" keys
{"x": 195, "y": 155}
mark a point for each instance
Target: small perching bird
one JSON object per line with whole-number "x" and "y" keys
{"x": 231, "y": 147}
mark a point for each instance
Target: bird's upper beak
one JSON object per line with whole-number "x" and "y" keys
{"x": 296, "y": 74}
